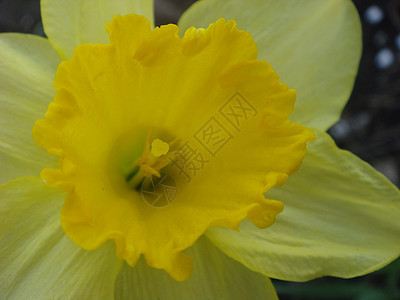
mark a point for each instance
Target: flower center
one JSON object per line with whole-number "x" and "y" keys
{"x": 155, "y": 156}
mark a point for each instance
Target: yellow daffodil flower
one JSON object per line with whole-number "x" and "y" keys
{"x": 155, "y": 143}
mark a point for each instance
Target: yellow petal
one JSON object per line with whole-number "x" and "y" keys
{"x": 314, "y": 46}
{"x": 215, "y": 277}
{"x": 71, "y": 23}
{"x": 38, "y": 261}
{"x": 109, "y": 97}
{"x": 341, "y": 219}
{"x": 27, "y": 67}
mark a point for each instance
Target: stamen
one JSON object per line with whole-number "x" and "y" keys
{"x": 156, "y": 155}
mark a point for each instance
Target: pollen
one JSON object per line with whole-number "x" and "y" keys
{"x": 158, "y": 147}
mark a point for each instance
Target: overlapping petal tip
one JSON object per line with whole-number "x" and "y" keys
{"x": 27, "y": 69}
{"x": 38, "y": 261}
{"x": 314, "y": 46}
{"x": 340, "y": 219}
{"x": 215, "y": 277}
{"x": 71, "y": 23}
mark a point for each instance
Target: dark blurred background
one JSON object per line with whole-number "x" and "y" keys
{"x": 369, "y": 127}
